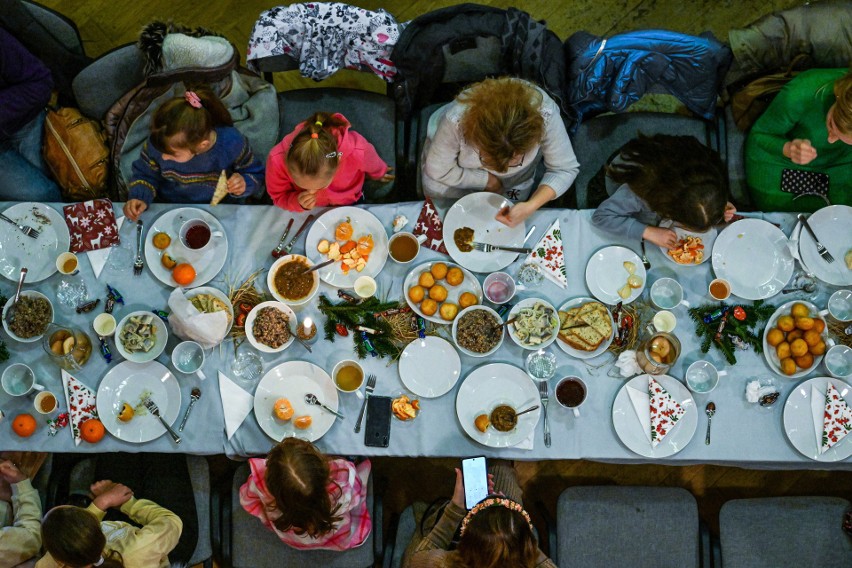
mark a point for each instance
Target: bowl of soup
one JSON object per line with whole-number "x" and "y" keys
{"x": 290, "y": 282}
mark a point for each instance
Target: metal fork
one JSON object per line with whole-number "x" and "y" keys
{"x": 542, "y": 394}
{"x": 645, "y": 262}
{"x": 138, "y": 265}
{"x": 25, "y": 229}
{"x": 823, "y": 252}
{"x": 153, "y": 409}
{"x": 371, "y": 385}
{"x": 485, "y": 247}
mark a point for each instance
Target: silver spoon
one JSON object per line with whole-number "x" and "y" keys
{"x": 10, "y": 313}
{"x": 808, "y": 287}
{"x": 710, "y": 410}
{"x": 530, "y": 409}
{"x": 193, "y": 397}
{"x": 311, "y": 398}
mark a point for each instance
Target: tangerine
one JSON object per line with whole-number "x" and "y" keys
{"x": 183, "y": 274}
{"x": 303, "y": 422}
{"x": 92, "y": 430}
{"x": 365, "y": 244}
{"x": 24, "y": 425}
{"x": 161, "y": 241}
{"x": 343, "y": 232}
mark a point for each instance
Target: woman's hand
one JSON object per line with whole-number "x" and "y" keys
{"x": 458, "y": 491}
{"x": 236, "y": 185}
{"x": 108, "y": 494}
{"x": 494, "y": 184}
{"x": 308, "y": 199}
{"x": 730, "y": 211}
{"x": 661, "y": 237}
{"x": 800, "y": 151}
{"x": 134, "y": 208}
{"x": 513, "y": 216}
{"x": 387, "y": 177}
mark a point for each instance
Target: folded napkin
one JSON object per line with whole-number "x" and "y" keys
{"x": 98, "y": 258}
{"x": 658, "y": 412}
{"x": 548, "y": 254}
{"x": 236, "y": 404}
{"x": 641, "y": 402}
{"x": 81, "y": 403}
{"x": 832, "y": 417}
{"x": 429, "y": 223}
{"x": 92, "y": 225}
{"x": 187, "y": 322}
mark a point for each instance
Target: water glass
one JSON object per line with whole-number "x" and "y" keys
{"x": 702, "y": 377}
{"x": 541, "y": 365}
{"x": 188, "y": 357}
{"x": 667, "y": 294}
{"x": 838, "y": 362}
{"x": 71, "y": 291}
{"x": 247, "y": 367}
{"x": 530, "y": 275}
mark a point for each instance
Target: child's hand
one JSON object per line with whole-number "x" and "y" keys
{"x": 494, "y": 184}
{"x": 387, "y": 177}
{"x": 730, "y": 211}
{"x": 10, "y": 473}
{"x": 133, "y": 208}
{"x": 236, "y": 185}
{"x": 800, "y": 151}
{"x": 308, "y": 200}
{"x": 108, "y": 494}
{"x": 660, "y": 237}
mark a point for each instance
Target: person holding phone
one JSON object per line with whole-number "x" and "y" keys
{"x": 496, "y": 532}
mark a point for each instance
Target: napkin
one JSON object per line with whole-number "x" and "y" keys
{"x": 665, "y": 411}
{"x": 549, "y": 255}
{"x": 832, "y": 417}
{"x": 239, "y": 404}
{"x": 91, "y": 225}
{"x": 641, "y": 403}
{"x": 98, "y": 258}
{"x": 81, "y": 403}
{"x": 429, "y": 223}
{"x": 208, "y": 330}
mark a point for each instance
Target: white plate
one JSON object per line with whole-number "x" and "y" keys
{"x": 293, "y": 380}
{"x": 754, "y": 256}
{"x": 207, "y": 263}
{"x": 8, "y": 304}
{"x": 218, "y": 294}
{"x": 629, "y": 429}
{"x": 478, "y": 211}
{"x": 576, "y": 353}
{"x": 249, "y": 326}
{"x": 161, "y": 333}
{"x": 126, "y": 382}
{"x": 486, "y": 387}
{"x": 833, "y": 228}
{"x": 470, "y": 284}
{"x": 605, "y": 274}
{"x": 429, "y": 367}
{"x": 39, "y": 255}
{"x": 455, "y": 331}
{"x": 529, "y": 303}
{"x": 769, "y": 352}
{"x": 270, "y": 280}
{"x": 799, "y": 421}
{"x": 363, "y": 223}
{"x": 707, "y": 239}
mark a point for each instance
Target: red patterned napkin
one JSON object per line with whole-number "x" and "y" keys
{"x": 837, "y": 419}
{"x": 429, "y": 223}
{"x": 548, "y": 254}
{"x": 665, "y": 411}
{"x": 81, "y": 403}
{"x": 92, "y": 225}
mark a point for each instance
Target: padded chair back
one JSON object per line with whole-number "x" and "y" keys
{"x": 107, "y": 79}
{"x": 60, "y": 27}
{"x": 640, "y": 527}
{"x": 784, "y": 531}
{"x": 199, "y": 476}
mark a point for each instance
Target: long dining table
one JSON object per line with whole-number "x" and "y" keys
{"x": 744, "y": 434}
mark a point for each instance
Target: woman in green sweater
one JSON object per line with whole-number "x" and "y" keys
{"x": 808, "y": 127}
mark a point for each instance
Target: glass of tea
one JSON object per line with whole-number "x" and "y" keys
{"x": 196, "y": 235}
{"x": 404, "y": 247}
{"x": 68, "y": 347}
{"x": 348, "y": 376}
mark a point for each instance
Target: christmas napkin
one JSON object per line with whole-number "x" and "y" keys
{"x": 91, "y": 225}
{"x": 239, "y": 404}
{"x": 548, "y": 254}
{"x": 429, "y": 223}
{"x": 665, "y": 411}
{"x": 81, "y": 403}
{"x": 836, "y": 420}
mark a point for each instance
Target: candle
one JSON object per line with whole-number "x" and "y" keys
{"x": 306, "y": 330}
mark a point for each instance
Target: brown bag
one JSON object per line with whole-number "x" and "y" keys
{"x": 753, "y": 99}
{"x": 75, "y": 151}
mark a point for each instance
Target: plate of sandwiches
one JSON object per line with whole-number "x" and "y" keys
{"x": 586, "y": 328}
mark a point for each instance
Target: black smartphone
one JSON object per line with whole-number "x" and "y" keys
{"x": 475, "y": 480}
{"x": 377, "y": 430}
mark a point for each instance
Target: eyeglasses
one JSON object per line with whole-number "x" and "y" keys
{"x": 510, "y": 164}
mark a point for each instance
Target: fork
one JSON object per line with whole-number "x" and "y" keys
{"x": 138, "y": 265}
{"x": 485, "y": 247}
{"x": 25, "y": 229}
{"x": 645, "y": 262}
{"x": 542, "y": 394}
{"x": 823, "y": 252}
{"x": 371, "y": 385}
{"x": 154, "y": 409}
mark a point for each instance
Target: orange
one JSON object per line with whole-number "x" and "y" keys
{"x": 343, "y": 232}
{"x": 365, "y": 244}
{"x": 303, "y": 422}
{"x": 183, "y": 274}
{"x": 283, "y": 409}
{"x": 24, "y": 425}
{"x": 819, "y": 325}
{"x": 92, "y": 430}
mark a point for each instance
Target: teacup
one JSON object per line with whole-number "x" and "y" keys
{"x": 188, "y": 357}
{"x": 702, "y": 377}
{"x": 348, "y": 376}
{"x": 404, "y": 247}
{"x": 19, "y": 380}
{"x": 45, "y": 402}
{"x": 719, "y": 289}
{"x": 665, "y": 321}
{"x": 840, "y": 306}
{"x": 571, "y": 393}
{"x": 838, "y": 362}
{"x": 196, "y": 235}
{"x": 67, "y": 264}
{"x": 667, "y": 294}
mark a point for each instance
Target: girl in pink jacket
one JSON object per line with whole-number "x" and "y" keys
{"x": 322, "y": 163}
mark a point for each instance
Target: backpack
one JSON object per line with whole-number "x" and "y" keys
{"x": 75, "y": 151}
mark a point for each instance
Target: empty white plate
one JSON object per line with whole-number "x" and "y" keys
{"x": 429, "y": 367}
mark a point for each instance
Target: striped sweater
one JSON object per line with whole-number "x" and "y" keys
{"x": 195, "y": 181}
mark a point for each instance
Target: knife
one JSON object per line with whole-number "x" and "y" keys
{"x": 529, "y": 234}
{"x": 512, "y": 249}
{"x": 299, "y": 232}
{"x": 276, "y": 252}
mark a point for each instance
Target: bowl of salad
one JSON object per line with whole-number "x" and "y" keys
{"x": 536, "y": 323}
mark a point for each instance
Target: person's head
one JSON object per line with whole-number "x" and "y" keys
{"x": 297, "y": 476}
{"x": 838, "y": 121}
{"x": 182, "y": 127}
{"x": 677, "y": 176}
{"x": 73, "y": 538}
{"x": 502, "y": 120}
{"x": 497, "y": 532}
{"x": 313, "y": 156}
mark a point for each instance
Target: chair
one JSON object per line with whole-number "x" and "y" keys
{"x": 784, "y": 531}
{"x": 107, "y": 79}
{"x": 62, "y": 28}
{"x": 627, "y": 526}
{"x": 401, "y": 533}
{"x": 246, "y": 543}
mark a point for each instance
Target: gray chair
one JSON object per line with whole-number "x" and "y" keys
{"x": 63, "y": 29}
{"x": 640, "y": 527}
{"x": 107, "y": 79}
{"x": 397, "y": 543}
{"x": 784, "y": 531}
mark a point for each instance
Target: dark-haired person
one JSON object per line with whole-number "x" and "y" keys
{"x": 492, "y": 138}
{"x": 309, "y": 500}
{"x": 664, "y": 177}
{"x": 192, "y": 141}
{"x": 20, "y": 516}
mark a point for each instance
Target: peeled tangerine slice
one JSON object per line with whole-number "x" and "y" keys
{"x": 624, "y": 291}
{"x": 634, "y": 281}
{"x": 629, "y": 267}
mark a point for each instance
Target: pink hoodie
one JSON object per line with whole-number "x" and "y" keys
{"x": 359, "y": 157}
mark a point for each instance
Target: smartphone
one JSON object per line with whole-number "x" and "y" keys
{"x": 475, "y": 480}
{"x": 377, "y": 430}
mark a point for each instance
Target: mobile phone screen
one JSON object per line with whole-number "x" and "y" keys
{"x": 475, "y": 481}
{"x": 377, "y": 429}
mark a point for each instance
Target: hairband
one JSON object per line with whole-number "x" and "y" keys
{"x": 319, "y": 123}
{"x": 495, "y": 502}
{"x": 314, "y": 135}
{"x": 193, "y": 99}
{"x": 332, "y": 155}
{"x": 99, "y": 562}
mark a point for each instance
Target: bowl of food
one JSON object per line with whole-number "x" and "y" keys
{"x": 478, "y": 331}
{"x": 405, "y": 407}
{"x": 141, "y": 336}
{"x": 31, "y": 317}
{"x": 208, "y": 300}
{"x": 502, "y": 417}
{"x": 271, "y": 326}
{"x": 290, "y": 283}
{"x": 536, "y": 323}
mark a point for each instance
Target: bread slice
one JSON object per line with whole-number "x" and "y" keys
{"x": 575, "y": 342}
{"x": 221, "y": 189}
{"x": 599, "y": 320}
{"x": 589, "y": 335}
{"x": 569, "y": 318}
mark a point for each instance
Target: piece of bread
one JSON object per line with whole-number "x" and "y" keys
{"x": 575, "y": 342}
{"x": 589, "y": 335}
{"x": 569, "y": 318}
{"x": 599, "y": 321}
{"x": 221, "y": 189}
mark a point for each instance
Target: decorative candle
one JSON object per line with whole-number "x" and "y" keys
{"x": 306, "y": 330}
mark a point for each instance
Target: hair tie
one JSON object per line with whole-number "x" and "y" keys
{"x": 99, "y": 562}
{"x": 332, "y": 155}
{"x": 314, "y": 135}
{"x": 495, "y": 502}
{"x": 319, "y": 123}
{"x": 193, "y": 99}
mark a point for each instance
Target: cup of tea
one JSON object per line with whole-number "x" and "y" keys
{"x": 196, "y": 234}
{"x": 45, "y": 402}
{"x": 667, "y": 294}
{"x": 665, "y": 321}
{"x": 403, "y": 247}
{"x": 188, "y": 357}
{"x": 838, "y": 362}
{"x": 67, "y": 263}
{"x": 840, "y": 306}
{"x": 570, "y": 393}
{"x": 702, "y": 377}
{"x": 499, "y": 287}
{"x": 720, "y": 289}
{"x": 19, "y": 380}
{"x": 104, "y": 325}
{"x": 365, "y": 287}
{"x": 348, "y": 375}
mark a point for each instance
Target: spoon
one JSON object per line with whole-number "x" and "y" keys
{"x": 530, "y": 409}
{"x": 10, "y": 313}
{"x": 505, "y": 325}
{"x": 193, "y": 397}
{"x": 303, "y": 343}
{"x": 710, "y": 410}
{"x": 807, "y": 287}
{"x": 311, "y": 398}
{"x": 320, "y": 265}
